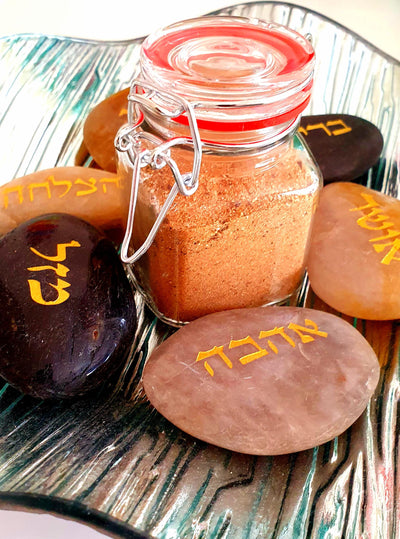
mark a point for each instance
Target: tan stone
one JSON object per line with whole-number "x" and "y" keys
{"x": 90, "y": 194}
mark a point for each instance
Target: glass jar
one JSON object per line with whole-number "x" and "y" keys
{"x": 222, "y": 190}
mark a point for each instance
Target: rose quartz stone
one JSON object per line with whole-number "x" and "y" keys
{"x": 263, "y": 381}
{"x": 354, "y": 258}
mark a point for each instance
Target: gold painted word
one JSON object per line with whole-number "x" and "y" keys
{"x": 325, "y": 127}
{"x": 58, "y": 188}
{"x": 60, "y": 270}
{"x": 304, "y": 332}
{"x": 374, "y": 219}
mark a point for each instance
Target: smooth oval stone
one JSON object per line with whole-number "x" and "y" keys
{"x": 264, "y": 381}
{"x": 354, "y": 258}
{"x": 92, "y": 195}
{"x": 344, "y": 146}
{"x": 101, "y": 126}
{"x": 67, "y": 310}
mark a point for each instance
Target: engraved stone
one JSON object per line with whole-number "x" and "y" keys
{"x": 344, "y": 146}
{"x": 67, "y": 310}
{"x": 265, "y": 381}
{"x": 354, "y": 258}
{"x": 102, "y": 125}
{"x": 92, "y": 195}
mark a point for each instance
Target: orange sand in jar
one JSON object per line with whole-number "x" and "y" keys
{"x": 239, "y": 241}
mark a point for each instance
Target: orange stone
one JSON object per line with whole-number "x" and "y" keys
{"x": 101, "y": 126}
{"x": 354, "y": 259}
{"x": 90, "y": 194}
{"x": 263, "y": 381}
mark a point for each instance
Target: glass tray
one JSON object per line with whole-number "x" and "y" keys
{"x": 111, "y": 460}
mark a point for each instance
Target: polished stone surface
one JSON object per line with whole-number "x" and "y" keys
{"x": 344, "y": 146}
{"x": 265, "y": 381}
{"x": 90, "y": 194}
{"x": 354, "y": 258}
{"x": 101, "y": 126}
{"x": 68, "y": 315}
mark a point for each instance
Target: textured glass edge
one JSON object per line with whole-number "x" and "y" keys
{"x": 72, "y": 510}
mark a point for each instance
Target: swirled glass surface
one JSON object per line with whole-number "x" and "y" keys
{"x": 113, "y": 461}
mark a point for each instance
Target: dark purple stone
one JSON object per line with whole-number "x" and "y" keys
{"x": 344, "y": 146}
{"x": 62, "y": 342}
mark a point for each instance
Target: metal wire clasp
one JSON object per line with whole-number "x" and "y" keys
{"x": 129, "y": 139}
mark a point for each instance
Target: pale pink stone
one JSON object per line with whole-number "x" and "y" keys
{"x": 296, "y": 395}
{"x": 352, "y": 266}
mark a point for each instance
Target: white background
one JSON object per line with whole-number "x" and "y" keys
{"x": 378, "y": 21}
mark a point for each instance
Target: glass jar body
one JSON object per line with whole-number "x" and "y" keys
{"x": 239, "y": 241}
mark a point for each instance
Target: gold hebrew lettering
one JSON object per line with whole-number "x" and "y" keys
{"x": 272, "y": 346}
{"x": 371, "y": 203}
{"x": 302, "y": 130}
{"x": 312, "y": 127}
{"x": 345, "y": 128}
{"x": 394, "y": 247}
{"x": 60, "y": 269}
{"x": 313, "y": 330}
{"x": 61, "y": 251}
{"x": 90, "y": 183}
{"x": 276, "y": 331}
{"x": 105, "y": 181}
{"x": 8, "y": 190}
{"x": 216, "y": 351}
{"x": 36, "y": 292}
{"x": 389, "y": 234}
{"x": 374, "y": 216}
{"x": 248, "y": 357}
{"x": 66, "y": 183}
{"x": 41, "y": 185}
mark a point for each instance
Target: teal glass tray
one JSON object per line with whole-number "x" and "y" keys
{"x": 111, "y": 460}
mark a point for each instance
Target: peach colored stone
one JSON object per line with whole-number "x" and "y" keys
{"x": 354, "y": 259}
{"x": 265, "y": 381}
{"x": 90, "y": 194}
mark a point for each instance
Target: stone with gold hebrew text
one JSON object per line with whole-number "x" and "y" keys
{"x": 263, "y": 381}
{"x": 92, "y": 195}
{"x": 67, "y": 310}
{"x": 100, "y": 128}
{"x": 344, "y": 146}
{"x": 354, "y": 258}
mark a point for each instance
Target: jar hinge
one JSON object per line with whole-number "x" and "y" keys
{"x": 129, "y": 140}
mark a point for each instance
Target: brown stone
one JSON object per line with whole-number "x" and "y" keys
{"x": 268, "y": 380}
{"x": 354, "y": 259}
{"x": 101, "y": 126}
{"x": 92, "y": 195}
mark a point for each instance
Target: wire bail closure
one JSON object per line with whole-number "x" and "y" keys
{"x": 129, "y": 139}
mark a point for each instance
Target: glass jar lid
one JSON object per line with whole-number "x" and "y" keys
{"x": 239, "y": 74}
